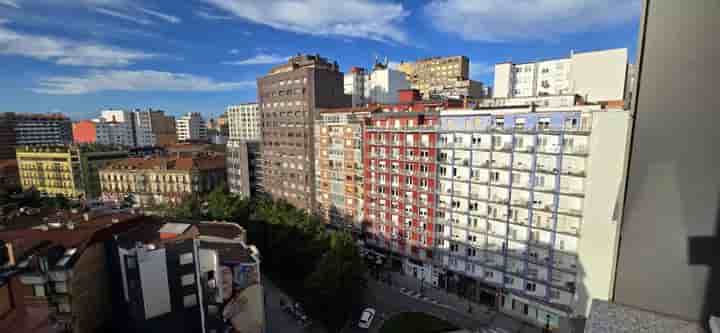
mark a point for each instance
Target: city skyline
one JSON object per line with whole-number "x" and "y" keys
{"x": 127, "y": 54}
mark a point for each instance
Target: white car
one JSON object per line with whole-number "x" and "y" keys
{"x": 366, "y": 318}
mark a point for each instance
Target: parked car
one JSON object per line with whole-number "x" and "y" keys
{"x": 366, "y": 318}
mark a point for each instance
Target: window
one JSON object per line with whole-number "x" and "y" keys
{"x": 530, "y": 286}
{"x": 186, "y": 258}
{"x": 508, "y": 280}
{"x": 471, "y": 252}
{"x": 454, "y": 248}
{"x": 64, "y": 307}
{"x": 39, "y": 290}
{"x": 439, "y": 228}
{"x": 489, "y": 274}
{"x": 554, "y": 294}
{"x": 443, "y": 171}
{"x": 188, "y": 279}
{"x": 190, "y": 300}
{"x": 131, "y": 262}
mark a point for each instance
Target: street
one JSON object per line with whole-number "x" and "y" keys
{"x": 387, "y": 301}
{"x": 279, "y": 321}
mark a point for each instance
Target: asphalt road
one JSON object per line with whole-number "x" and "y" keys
{"x": 278, "y": 321}
{"x": 388, "y": 301}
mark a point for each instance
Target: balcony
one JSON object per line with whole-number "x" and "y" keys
{"x": 576, "y": 151}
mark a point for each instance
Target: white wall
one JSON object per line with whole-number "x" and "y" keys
{"x": 600, "y": 75}
{"x": 502, "y": 81}
{"x": 384, "y": 84}
{"x": 154, "y": 280}
{"x": 597, "y": 247}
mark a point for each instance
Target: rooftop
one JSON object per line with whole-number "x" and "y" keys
{"x": 183, "y": 163}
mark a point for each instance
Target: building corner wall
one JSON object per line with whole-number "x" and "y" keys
{"x": 598, "y": 246}
{"x": 501, "y": 88}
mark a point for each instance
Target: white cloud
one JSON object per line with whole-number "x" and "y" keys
{"x": 11, "y": 3}
{"x": 501, "y": 20}
{"x": 144, "y": 80}
{"x": 123, "y": 16}
{"x": 234, "y": 51}
{"x": 66, "y": 52}
{"x": 479, "y": 69}
{"x": 162, "y": 16}
{"x": 260, "y": 59}
{"x": 211, "y": 16}
{"x": 378, "y": 20}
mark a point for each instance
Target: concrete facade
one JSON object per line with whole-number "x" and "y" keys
{"x": 339, "y": 166}
{"x": 242, "y": 159}
{"x": 597, "y": 76}
{"x": 191, "y": 127}
{"x": 288, "y": 96}
{"x": 668, "y": 260}
{"x": 244, "y": 122}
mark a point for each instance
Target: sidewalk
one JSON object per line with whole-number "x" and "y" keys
{"x": 497, "y": 322}
{"x": 453, "y": 301}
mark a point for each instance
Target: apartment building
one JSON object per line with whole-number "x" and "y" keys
{"x": 383, "y": 84}
{"x": 116, "y": 127}
{"x": 288, "y": 97}
{"x": 339, "y": 170}
{"x": 524, "y": 212}
{"x": 191, "y": 127}
{"x": 597, "y": 76}
{"x": 243, "y": 122}
{"x": 161, "y": 180}
{"x": 39, "y": 129}
{"x": 9, "y": 178}
{"x": 242, "y": 169}
{"x": 7, "y": 136}
{"x": 442, "y": 77}
{"x": 55, "y": 274}
{"x": 354, "y": 85}
{"x": 400, "y": 198}
{"x": 71, "y": 171}
{"x": 189, "y": 277}
{"x": 154, "y": 128}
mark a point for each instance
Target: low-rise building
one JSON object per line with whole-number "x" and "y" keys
{"x": 71, "y": 171}
{"x": 9, "y": 174}
{"x": 55, "y": 276}
{"x": 162, "y": 180}
{"x": 190, "y": 277}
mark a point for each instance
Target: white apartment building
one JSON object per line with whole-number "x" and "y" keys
{"x": 526, "y": 210}
{"x": 382, "y": 85}
{"x": 354, "y": 85}
{"x": 144, "y": 135}
{"x": 115, "y": 127}
{"x": 596, "y": 76}
{"x": 244, "y": 122}
{"x": 191, "y": 127}
{"x": 379, "y": 86}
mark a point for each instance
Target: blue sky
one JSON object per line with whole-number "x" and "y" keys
{"x": 78, "y": 56}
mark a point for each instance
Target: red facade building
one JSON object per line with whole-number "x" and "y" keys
{"x": 84, "y": 132}
{"x": 400, "y": 182}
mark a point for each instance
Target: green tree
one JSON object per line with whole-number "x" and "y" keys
{"x": 189, "y": 209}
{"x": 337, "y": 284}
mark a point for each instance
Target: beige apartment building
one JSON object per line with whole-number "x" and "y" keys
{"x": 162, "y": 180}
{"x": 339, "y": 165}
{"x": 442, "y": 76}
